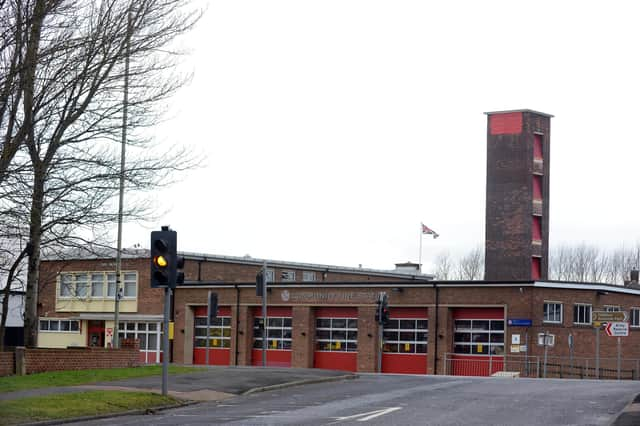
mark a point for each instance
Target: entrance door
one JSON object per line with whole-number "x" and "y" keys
{"x": 405, "y": 341}
{"x": 336, "y": 339}
{"x": 218, "y": 343}
{"x": 96, "y": 334}
{"x": 278, "y": 337}
{"x": 478, "y": 343}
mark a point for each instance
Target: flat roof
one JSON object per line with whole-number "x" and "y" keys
{"x": 544, "y": 114}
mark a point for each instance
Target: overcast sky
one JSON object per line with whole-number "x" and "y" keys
{"x": 331, "y": 129}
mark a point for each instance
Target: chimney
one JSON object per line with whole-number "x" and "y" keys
{"x": 408, "y": 268}
{"x": 633, "y": 281}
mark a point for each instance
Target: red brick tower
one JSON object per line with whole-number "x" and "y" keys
{"x": 517, "y": 205}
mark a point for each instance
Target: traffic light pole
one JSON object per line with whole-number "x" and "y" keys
{"x": 264, "y": 316}
{"x": 206, "y": 357}
{"x": 165, "y": 341}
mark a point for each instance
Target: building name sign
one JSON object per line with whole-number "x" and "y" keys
{"x": 319, "y": 297}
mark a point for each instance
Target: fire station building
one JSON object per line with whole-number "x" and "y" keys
{"x": 321, "y": 316}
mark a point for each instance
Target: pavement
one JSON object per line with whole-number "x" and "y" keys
{"x": 212, "y": 384}
{"x": 630, "y": 416}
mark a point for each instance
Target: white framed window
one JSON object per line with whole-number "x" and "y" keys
{"x": 97, "y": 285}
{"x": 130, "y": 284}
{"x": 288, "y": 275}
{"x": 337, "y": 334}
{"x": 308, "y": 275}
{"x": 552, "y": 312}
{"x": 111, "y": 285}
{"x": 406, "y": 336}
{"x": 634, "y": 314}
{"x": 271, "y": 275}
{"x": 611, "y": 308}
{"x": 82, "y": 285}
{"x": 278, "y": 333}
{"x": 478, "y": 337}
{"x": 582, "y": 313}
{"x": 60, "y": 325}
{"x": 149, "y": 334}
{"x": 66, "y": 285}
{"x": 92, "y": 284}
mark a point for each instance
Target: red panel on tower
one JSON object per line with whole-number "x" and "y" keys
{"x": 535, "y": 268}
{"x": 537, "y": 147}
{"x": 507, "y": 123}
{"x": 536, "y": 229}
{"x": 537, "y": 187}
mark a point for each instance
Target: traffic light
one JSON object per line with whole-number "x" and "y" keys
{"x": 382, "y": 309}
{"x": 163, "y": 258}
{"x": 260, "y": 283}
{"x": 213, "y": 307}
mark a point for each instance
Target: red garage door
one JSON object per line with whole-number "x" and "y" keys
{"x": 278, "y": 337}
{"x": 478, "y": 341}
{"x": 405, "y": 338}
{"x": 219, "y": 339}
{"x": 336, "y": 339}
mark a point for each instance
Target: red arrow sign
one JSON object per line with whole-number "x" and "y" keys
{"x": 617, "y": 329}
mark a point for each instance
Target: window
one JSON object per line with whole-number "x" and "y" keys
{"x": 288, "y": 275}
{"x": 405, "y": 336}
{"x": 85, "y": 284}
{"x": 219, "y": 332}
{"x": 308, "y": 276}
{"x": 278, "y": 333}
{"x": 130, "y": 284}
{"x": 97, "y": 285}
{"x": 60, "y": 325}
{"x": 148, "y": 334}
{"x": 66, "y": 285}
{"x": 581, "y": 313}
{"x": 271, "y": 275}
{"x": 611, "y": 308}
{"x": 337, "y": 334}
{"x": 479, "y": 337}
{"x": 82, "y": 285}
{"x": 111, "y": 285}
{"x": 552, "y": 312}
{"x": 635, "y": 317}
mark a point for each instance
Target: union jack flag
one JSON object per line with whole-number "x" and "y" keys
{"x": 429, "y": 231}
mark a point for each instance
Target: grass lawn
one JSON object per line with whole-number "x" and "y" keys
{"x": 83, "y": 377}
{"x": 79, "y": 404}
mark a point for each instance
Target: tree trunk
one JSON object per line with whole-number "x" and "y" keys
{"x": 33, "y": 272}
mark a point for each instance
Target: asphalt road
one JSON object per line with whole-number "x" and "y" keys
{"x": 412, "y": 400}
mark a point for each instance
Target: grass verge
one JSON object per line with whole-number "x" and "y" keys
{"x": 70, "y": 405}
{"x": 83, "y": 377}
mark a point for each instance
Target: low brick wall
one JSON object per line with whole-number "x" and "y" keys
{"x": 7, "y": 364}
{"x": 39, "y": 360}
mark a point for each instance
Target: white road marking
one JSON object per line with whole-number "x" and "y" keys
{"x": 363, "y": 417}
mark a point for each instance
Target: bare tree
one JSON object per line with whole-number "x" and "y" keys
{"x": 443, "y": 266}
{"x": 70, "y": 90}
{"x": 471, "y": 266}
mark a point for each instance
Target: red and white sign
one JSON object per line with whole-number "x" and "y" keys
{"x": 617, "y": 329}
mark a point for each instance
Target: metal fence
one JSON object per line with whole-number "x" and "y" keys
{"x": 525, "y": 366}
{"x": 535, "y": 367}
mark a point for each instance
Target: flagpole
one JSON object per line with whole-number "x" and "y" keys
{"x": 420, "y": 256}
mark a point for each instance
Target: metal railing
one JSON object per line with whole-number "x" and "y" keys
{"x": 534, "y": 367}
{"x": 464, "y": 365}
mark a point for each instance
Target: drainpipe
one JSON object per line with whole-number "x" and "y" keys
{"x": 237, "y": 321}
{"x": 435, "y": 346}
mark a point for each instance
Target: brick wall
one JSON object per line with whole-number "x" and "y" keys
{"x": 41, "y": 360}
{"x": 6, "y": 364}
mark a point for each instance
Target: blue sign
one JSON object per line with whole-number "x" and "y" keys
{"x": 518, "y": 322}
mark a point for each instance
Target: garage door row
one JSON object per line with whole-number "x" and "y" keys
{"x": 405, "y": 339}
